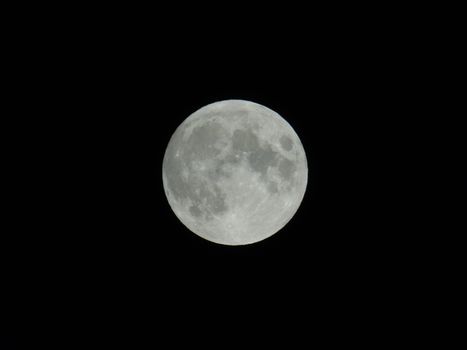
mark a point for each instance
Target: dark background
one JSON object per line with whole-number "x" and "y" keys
{"x": 375, "y": 247}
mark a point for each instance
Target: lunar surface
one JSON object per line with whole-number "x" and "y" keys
{"x": 234, "y": 172}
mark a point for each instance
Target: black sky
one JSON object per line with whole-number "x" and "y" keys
{"x": 367, "y": 250}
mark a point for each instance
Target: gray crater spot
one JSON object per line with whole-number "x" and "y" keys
{"x": 202, "y": 142}
{"x": 286, "y": 142}
{"x": 259, "y": 158}
{"x": 195, "y": 211}
{"x": 244, "y": 140}
{"x": 286, "y": 168}
{"x": 272, "y": 187}
{"x": 217, "y": 172}
{"x": 231, "y": 159}
{"x": 220, "y": 169}
{"x": 262, "y": 158}
{"x": 217, "y": 202}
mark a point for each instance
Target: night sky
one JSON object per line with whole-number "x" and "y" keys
{"x": 100, "y": 258}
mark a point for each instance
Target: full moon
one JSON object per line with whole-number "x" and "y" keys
{"x": 234, "y": 172}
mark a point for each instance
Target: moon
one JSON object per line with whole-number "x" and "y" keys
{"x": 234, "y": 172}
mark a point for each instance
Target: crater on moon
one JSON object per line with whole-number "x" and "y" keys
{"x": 244, "y": 140}
{"x": 262, "y": 158}
{"x": 229, "y": 174}
{"x": 286, "y": 168}
{"x": 204, "y": 142}
{"x": 286, "y": 142}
